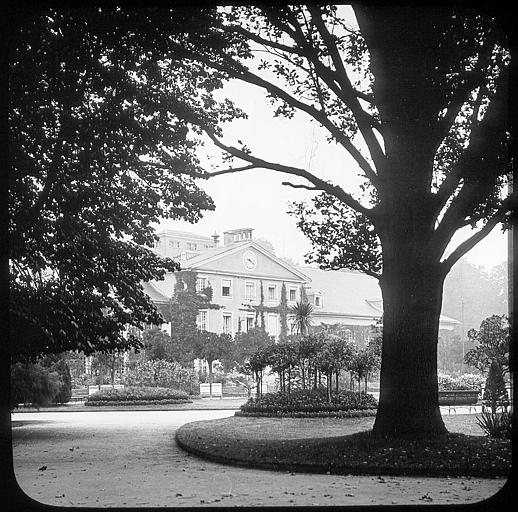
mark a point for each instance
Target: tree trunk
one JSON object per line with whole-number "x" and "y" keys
{"x": 412, "y": 296}
{"x": 257, "y": 389}
{"x": 303, "y": 369}
{"x": 336, "y": 377}
{"x": 209, "y": 364}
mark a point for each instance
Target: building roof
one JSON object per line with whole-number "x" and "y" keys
{"x": 184, "y": 234}
{"x": 214, "y": 253}
{"x": 350, "y": 293}
{"x": 344, "y": 292}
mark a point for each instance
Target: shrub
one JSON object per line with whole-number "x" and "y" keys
{"x": 465, "y": 381}
{"x": 161, "y": 373}
{"x": 496, "y": 425}
{"x": 495, "y": 394}
{"x": 34, "y": 384}
{"x": 309, "y": 402}
{"x": 57, "y": 364}
{"x": 137, "y": 395}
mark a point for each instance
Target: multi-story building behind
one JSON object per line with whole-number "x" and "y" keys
{"x": 244, "y": 275}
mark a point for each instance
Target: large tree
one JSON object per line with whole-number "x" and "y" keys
{"x": 97, "y": 155}
{"x": 418, "y": 98}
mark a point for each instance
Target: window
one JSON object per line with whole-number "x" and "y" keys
{"x": 249, "y": 290}
{"x": 318, "y": 301}
{"x": 174, "y": 244}
{"x": 250, "y": 319}
{"x": 293, "y": 294}
{"x": 272, "y": 324}
{"x": 201, "y": 283}
{"x": 192, "y": 247}
{"x": 272, "y": 292}
{"x": 202, "y": 320}
{"x": 226, "y": 288}
{"x": 227, "y": 323}
{"x": 349, "y": 336}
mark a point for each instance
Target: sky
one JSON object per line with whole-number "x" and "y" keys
{"x": 257, "y": 199}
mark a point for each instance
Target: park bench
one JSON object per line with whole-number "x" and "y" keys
{"x": 459, "y": 397}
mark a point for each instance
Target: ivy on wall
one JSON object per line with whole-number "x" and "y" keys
{"x": 281, "y": 310}
{"x": 186, "y": 303}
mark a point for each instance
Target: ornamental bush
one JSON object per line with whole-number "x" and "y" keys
{"x": 162, "y": 374}
{"x": 309, "y": 402}
{"x": 465, "y": 381}
{"x": 497, "y": 425}
{"x": 33, "y": 384}
{"x": 137, "y": 396}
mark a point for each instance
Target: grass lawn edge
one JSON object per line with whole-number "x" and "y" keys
{"x": 254, "y": 453}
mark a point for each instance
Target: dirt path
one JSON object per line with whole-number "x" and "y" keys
{"x": 130, "y": 459}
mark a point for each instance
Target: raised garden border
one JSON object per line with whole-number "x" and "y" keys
{"x": 352, "y": 413}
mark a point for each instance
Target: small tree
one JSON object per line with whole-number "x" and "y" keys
{"x": 57, "y": 363}
{"x": 300, "y": 315}
{"x": 157, "y": 345}
{"x": 363, "y": 362}
{"x": 492, "y": 341}
{"x": 245, "y": 344}
{"x": 327, "y": 363}
{"x": 495, "y": 393}
{"x": 258, "y": 362}
{"x": 210, "y": 347}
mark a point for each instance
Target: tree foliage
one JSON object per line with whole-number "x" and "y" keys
{"x": 300, "y": 316}
{"x": 492, "y": 344}
{"x": 418, "y": 99}
{"x": 33, "y": 383}
{"x": 184, "y": 307}
{"x": 495, "y": 394}
{"x": 97, "y": 154}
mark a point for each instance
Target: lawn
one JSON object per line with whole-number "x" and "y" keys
{"x": 345, "y": 446}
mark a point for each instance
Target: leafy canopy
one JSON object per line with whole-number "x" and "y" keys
{"x": 98, "y": 154}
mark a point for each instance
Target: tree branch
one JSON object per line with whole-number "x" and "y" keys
{"x": 483, "y": 161}
{"x": 237, "y": 70}
{"x": 468, "y": 244}
{"x": 293, "y": 185}
{"x": 320, "y": 184}
{"x": 363, "y": 119}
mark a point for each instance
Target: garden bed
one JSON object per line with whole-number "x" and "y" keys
{"x": 137, "y": 396}
{"x": 125, "y": 403}
{"x": 311, "y": 404}
{"x": 345, "y": 446}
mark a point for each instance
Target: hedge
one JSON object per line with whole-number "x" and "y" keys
{"x": 122, "y": 403}
{"x": 137, "y": 395}
{"x": 310, "y": 403}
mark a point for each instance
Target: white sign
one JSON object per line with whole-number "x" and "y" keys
{"x": 216, "y": 389}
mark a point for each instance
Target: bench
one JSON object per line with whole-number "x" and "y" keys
{"x": 459, "y": 397}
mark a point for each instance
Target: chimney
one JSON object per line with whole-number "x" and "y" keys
{"x": 215, "y": 237}
{"x": 237, "y": 235}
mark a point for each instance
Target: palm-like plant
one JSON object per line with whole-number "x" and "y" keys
{"x": 300, "y": 315}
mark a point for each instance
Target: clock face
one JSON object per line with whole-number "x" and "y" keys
{"x": 249, "y": 260}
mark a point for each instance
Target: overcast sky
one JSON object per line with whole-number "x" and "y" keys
{"x": 257, "y": 199}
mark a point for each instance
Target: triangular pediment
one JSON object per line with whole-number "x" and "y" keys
{"x": 245, "y": 259}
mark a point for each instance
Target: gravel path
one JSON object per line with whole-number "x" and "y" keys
{"x": 131, "y": 459}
